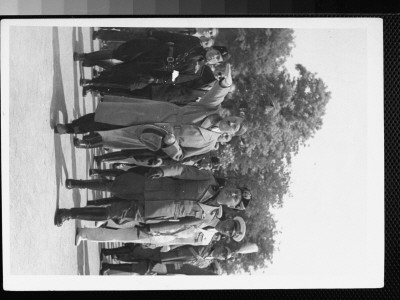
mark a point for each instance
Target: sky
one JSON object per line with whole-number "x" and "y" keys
{"x": 323, "y": 224}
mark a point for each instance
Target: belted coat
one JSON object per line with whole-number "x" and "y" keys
{"x": 174, "y": 196}
{"x": 188, "y": 123}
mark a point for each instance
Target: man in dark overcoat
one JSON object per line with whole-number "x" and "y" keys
{"x": 181, "y": 93}
{"x": 156, "y": 58}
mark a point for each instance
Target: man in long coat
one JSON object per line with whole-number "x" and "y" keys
{"x": 130, "y": 158}
{"x": 176, "y": 192}
{"x": 178, "y": 131}
{"x": 162, "y": 236}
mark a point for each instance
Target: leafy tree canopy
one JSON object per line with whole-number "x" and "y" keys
{"x": 283, "y": 113}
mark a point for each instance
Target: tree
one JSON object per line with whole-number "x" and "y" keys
{"x": 283, "y": 113}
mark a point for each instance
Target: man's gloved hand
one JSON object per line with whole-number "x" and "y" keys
{"x": 227, "y": 81}
{"x": 155, "y": 173}
{"x": 169, "y": 139}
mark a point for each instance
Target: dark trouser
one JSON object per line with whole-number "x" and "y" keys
{"x": 128, "y": 185}
{"x": 103, "y": 185}
{"x": 126, "y": 52}
{"x": 106, "y": 89}
{"x": 86, "y": 123}
{"x": 116, "y": 172}
{"x": 134, "y": 253}
{"x": 146, "y": 267}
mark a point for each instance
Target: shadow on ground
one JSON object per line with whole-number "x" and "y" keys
{"x": 82, "y": 249}
{"x": 57, "y": 107}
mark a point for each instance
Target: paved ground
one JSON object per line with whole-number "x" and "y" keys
{"x": 44, "y": 90}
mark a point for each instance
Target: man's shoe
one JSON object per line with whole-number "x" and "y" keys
{"x": 103, "y": 253}
{"x": 84, "y": 81}
{"x": 78, "y": 237}
{"x": 104, "y": 269}
{"x": 93, "y": 172}
{"x": 85, "y": 89}
{"x": 61, "y": 129}
{"x": 69, "y": 184}
{"x": 97, "y": 160}
{"x": 79, "y": 56}
{"x": 80, "y": 143}
{"x": 61, "y": 216}
{"x": 100, "y": 224}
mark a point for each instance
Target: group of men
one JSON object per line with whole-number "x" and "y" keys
{"x": 160, "y": 111}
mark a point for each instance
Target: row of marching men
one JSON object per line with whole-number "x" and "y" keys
{"x": 165, "y": 191}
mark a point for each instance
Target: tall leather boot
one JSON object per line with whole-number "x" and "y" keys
{"x": 81, "y": 213}
{"x": 95, "y": 184}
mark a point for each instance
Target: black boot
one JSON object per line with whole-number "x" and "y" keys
{"x": 104, "y": 269}
{"x": 81, "y": 213}
{"x": 63, "y": 128}
{"x": 79, "y": 56}
{"x": 61, "y": 216}
{"x": 93, "y": 172}
{"x": 96, "y": 184}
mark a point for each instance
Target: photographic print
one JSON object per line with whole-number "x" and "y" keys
{"x": 246, "y": 150}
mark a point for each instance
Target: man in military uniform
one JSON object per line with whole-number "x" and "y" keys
{"x": 167, "y": 193}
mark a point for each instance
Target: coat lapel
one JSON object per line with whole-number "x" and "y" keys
{"x": 209, "y": 135}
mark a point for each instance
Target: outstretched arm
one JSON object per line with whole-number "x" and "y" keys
{"x": 220, "y": 89}
{"x": 181, "y": 172}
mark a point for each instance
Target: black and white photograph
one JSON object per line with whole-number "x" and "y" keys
{"x": 246, "y": 150}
